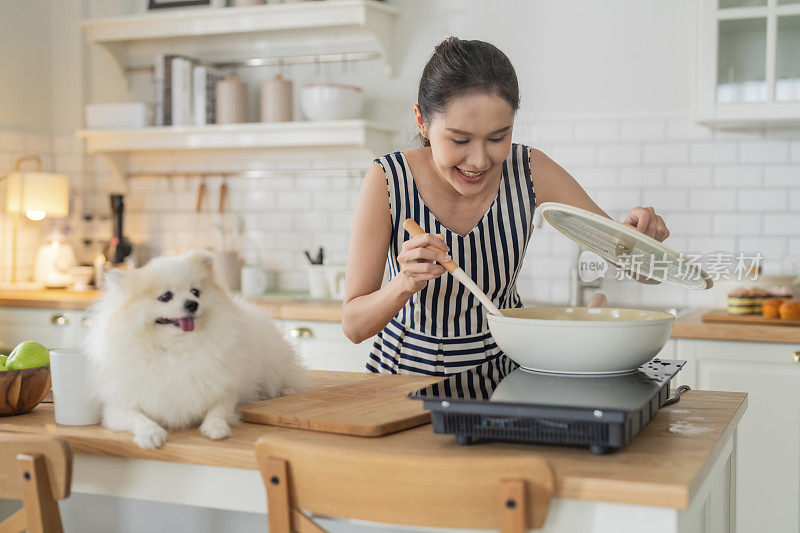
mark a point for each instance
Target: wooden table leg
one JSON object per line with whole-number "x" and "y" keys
{"x": 279, "y": 511}
{"x": 41, "y": 509}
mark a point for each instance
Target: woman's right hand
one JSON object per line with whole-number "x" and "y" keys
{"x": 417, "y": 265}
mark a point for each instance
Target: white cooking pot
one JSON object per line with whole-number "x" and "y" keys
{"x": 580, "y": 340}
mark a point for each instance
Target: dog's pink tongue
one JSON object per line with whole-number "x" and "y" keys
{"x": 186, "y": 324}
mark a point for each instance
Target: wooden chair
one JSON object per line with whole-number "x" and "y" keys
{"x": 424, "y": 481}
{"x": 36, "y": 469}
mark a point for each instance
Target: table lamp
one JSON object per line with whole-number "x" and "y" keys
{"x": 37, "y": 194}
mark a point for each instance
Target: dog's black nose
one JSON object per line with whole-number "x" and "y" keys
{"x": 190, "y": 305}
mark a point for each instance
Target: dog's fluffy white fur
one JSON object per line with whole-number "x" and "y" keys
{"x": 157, "y": 366}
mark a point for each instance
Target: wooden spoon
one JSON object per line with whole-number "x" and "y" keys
{"x": 413, "y": 228}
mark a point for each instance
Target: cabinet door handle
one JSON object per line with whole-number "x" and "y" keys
{"x": 59, "y": 320}
{"x": 796, "y": 356}
{"x": 302, "y": 333}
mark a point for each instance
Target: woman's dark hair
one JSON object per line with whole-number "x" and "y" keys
{"x": 458, "y": 67}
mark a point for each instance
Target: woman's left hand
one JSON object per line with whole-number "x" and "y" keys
{"x": 645, "y": 220}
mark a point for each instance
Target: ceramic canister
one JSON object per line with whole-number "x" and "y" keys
{"x": 231, "y": 101}
{"x": 276, "y": 100}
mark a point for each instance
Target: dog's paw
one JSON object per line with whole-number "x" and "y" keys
{"x": 215, "y": 428}
{"x": 150, "y": 437}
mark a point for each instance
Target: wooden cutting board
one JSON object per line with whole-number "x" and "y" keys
{"x": 371, "y": 407}
{"x": 721, "y": 315}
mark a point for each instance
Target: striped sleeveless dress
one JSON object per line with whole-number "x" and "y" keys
{"x": 442, "y": 329}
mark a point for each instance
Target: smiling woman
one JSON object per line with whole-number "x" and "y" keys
{"x": 472, "y": 190}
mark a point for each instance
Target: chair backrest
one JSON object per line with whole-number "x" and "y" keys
{"x": 444, "y": 486}
{"x": 36, "y": 469}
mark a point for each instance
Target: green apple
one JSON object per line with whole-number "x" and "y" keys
{"x": 3, "y": 360}
{"x": 28, "y": 354}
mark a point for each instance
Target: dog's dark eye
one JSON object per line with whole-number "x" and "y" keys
{"x": 195, "y": 292}
{"x": 165, "y": 297}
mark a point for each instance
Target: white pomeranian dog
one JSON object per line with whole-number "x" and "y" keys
{"x": 171, "y": 349}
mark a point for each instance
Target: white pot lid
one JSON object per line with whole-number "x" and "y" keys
{"x": 624, "y": 246}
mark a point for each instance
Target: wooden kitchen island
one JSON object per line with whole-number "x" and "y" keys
{"x": 677, "y": 475}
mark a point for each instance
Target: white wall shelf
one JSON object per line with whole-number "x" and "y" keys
{"x": 357, "y": 137}
{"x": 747, "y": 70}
{"x": 232, "y": 33}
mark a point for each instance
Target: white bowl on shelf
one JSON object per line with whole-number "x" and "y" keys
{"x": 331, "y": 101}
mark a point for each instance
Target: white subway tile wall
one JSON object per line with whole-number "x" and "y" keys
{"x": 718, "y": 191}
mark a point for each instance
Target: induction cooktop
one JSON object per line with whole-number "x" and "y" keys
{"x": 505, "y": 402}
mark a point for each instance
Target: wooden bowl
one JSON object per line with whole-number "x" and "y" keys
{"x": 22, "y": 390}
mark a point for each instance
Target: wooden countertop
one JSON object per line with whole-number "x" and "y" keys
{"x": 287, "y": 309}
{"x": 282, "y": 306}
{"x": 47, "y": 298}
{"x": 663, "y": 466}
{"x": 691, "y": 326}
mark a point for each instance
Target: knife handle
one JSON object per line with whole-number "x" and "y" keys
{"x": 415, "y": 231}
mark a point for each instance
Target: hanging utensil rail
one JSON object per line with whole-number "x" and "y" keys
{"x": 281, "y": 61}
{"x": 311, "y": 172}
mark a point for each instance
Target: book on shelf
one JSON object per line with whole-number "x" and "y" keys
{"x": 182, "y": 91}
{"x": 162, "y": 86}
{"x": 158, "y": 90}
{"x": 204, "y": 83}
{"x": 185, "y": 91}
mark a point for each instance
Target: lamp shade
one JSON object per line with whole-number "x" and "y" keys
{"x": 38, "y": 192}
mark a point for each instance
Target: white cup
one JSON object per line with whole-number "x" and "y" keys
{"x": 71, "y": 400}
{"x": 81, "y": 277}
{"x": 335, "y": 276}
{"x": 228, "y": 268}
{"x": 255, "y": 280}
{"x": 317, "y": 282}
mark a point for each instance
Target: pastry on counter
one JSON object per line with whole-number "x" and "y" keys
{"x": 758, "y": 296}
{"x": 770, "y": 307}
{"x": 741, "y": 302}
{"x": 790, "y": 309}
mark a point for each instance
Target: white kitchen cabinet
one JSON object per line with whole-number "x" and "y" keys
{"x": 323, "y": 345}
{"x": 768, "y": 440}
{"x": 55, "y": 328}
{"x": 748, "y": 64}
